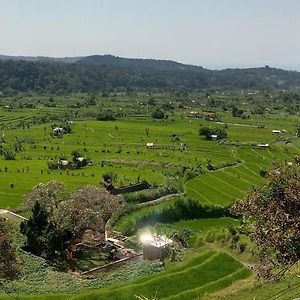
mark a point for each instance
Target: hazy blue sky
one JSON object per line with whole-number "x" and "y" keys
{"x": 211, "y": 33}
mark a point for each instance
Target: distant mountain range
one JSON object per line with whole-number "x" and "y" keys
{"x": 105, "y": 72}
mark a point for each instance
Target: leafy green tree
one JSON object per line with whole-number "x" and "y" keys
{"x": 35, "y": 229}
{"x": 79, "y": 160}
{"x": 109, "y": 176}
{"x": 107, "y": 116}
{"x": 44, "y": 236}
{"x": 205, "y": 131}
{"x": 272, "y": 218}
{"x": 87, "y": 208}
{"x": 61, "y": 219}
{"x": 209, "y": 132}
{"x": 151, "y": 101}
{"x": 158, "y": 114}
{"x": 9, "y": 154}
{"x": 237, "y": 112}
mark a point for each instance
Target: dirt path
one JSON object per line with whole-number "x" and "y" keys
{"x": 10, "y": 215}
{"x": 157, "y": 201}
{"x": 239, "y": 124}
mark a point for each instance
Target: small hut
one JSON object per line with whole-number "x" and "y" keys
{"x": 261, "y": 145}
{"x": 154, "y": 246}
{"x": 276, "y": 131}
{"x": 58, "y": 131}
{"x": 150, "y": 145}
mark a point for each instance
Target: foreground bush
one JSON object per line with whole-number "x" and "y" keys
{"x": 9, "y": 261}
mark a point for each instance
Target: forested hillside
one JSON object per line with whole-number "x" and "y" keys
{"x": 108, "y": 72}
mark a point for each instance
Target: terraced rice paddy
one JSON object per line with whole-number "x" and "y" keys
{"x": 120, "y": 147}
{"x": 224, "y": 186}
{"x": 204, "y": 273}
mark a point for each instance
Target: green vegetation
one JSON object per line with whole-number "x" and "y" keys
{"x": 105, "y": 73}
{"x": 9, "y": 261}
{"x": 59, "y": 220}
{"x": 200, "y": 275}
{"x": 40, "y": 278}
{"x": 179, "y": 209}
{"x": 211, "y": 133}
{"x": 112, "y": 134}
{"x": 272, "y": 217}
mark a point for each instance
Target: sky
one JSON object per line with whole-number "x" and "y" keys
{"x": 214, "y": 33}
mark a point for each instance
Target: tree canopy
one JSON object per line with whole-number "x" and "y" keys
{"x": 272, "y": 215}
{"x": 61, "y": 219}
{"x": 210, "y": 132}
{"x": 47, "y": 194}
{"x": 91, "y": 75}
{"x": 86, "y": 208}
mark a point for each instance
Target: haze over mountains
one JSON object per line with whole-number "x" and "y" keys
{"x": 104, "y": 72}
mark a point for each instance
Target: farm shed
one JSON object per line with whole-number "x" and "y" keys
{"x": 154, "y": 246}
{"x": 63, "y": 162}
{"x": 150, "y": 145}
{"x": 263, "y": 145}
{"x": 276, "y": 131}
{"x": 139, "y": 186}
{"x": 58, "y": 131}
{"x": 195, "y": 114}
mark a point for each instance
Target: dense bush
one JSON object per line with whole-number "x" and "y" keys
{"x": 9, "y": 260}
{"x": 44, "y": 237}
{"x": 237, "y": 112}
{"x": 106, "y": 116}
{"x": 209, "y": 132}
{"x": 212, "y": 167}
{"x": 158, "y": 114}
{"x": 109, "y": 176}
{"x": 9, "y": 154}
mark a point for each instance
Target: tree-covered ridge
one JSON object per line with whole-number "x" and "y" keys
{"x": 111, "y": 60}
{"x": 109, "y": 72}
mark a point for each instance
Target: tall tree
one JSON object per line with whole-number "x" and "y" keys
{"x": 44, "y": 236}
{"x": 87, "y": 208}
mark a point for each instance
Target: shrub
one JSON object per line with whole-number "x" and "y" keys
{"x": 9, "y": 260}
{"x": 208, "y": 132}
{"x": 109, "y": 176}
{"x": 106, "y": 116}
{"x": 9, "y": 154}
{"x": 158, "y": 114}
{"x": 263, "y": 173}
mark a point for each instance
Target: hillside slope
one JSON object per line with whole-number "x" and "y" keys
{"x": 107, "y": 72}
